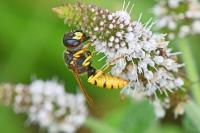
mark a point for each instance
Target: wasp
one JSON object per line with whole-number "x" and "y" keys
{"x": 78, "y": 58}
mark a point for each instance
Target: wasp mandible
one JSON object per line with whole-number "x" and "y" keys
{"x": 78, "y": 59}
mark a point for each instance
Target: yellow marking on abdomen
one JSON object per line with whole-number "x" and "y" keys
{"x": 108, "y": 81}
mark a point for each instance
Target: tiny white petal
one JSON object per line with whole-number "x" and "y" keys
{"x": 111, "y": 26}
{"x": 110, "y": 17}
{"x": 179, "y": 82}
{"x": 116, "y": 40}
{"x": 96, "y": 28}
{"x": 111, "y": 39}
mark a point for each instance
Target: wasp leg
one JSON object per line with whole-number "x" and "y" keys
{"x": 87, "y": 45}
{"x": 92, "y": 78}
{"x": 105, "y": 68}
{"x": 87, "y": 61}
{"x": 78, "y": 54}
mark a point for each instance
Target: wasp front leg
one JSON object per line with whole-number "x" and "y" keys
{"x": 82, "y": 51}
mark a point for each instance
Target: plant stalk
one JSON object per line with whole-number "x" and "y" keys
{"x": 190, "y": 67}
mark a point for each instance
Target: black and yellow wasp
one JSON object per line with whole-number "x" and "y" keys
{"x": 78, "y": 59}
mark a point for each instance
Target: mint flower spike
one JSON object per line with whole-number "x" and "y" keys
{"x": 46, "y": 104}
{"x": 178, "y": 17}
{"x": 142, "y": 57}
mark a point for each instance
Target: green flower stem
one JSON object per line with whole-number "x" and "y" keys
{"x": 99, "y": 127}
{"x": 192, "y": 112}
{"x": 191, "y": 70}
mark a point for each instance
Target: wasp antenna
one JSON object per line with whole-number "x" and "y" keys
{"x": 131, "y": 9}
{"x": 127, "y": 6}
{"x": 123, "y": 5}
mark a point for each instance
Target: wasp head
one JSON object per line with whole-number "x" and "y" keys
{"x": 74, "y": 40}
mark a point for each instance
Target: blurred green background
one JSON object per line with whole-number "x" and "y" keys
{"x": 31, "y": 46}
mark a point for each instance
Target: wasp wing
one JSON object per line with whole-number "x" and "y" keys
{"x": 82, "y": 88}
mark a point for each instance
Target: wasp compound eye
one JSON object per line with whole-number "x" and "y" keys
{"x": 68, "y": 40}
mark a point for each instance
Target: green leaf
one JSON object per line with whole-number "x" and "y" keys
{"x": 99, "y": 127}
{"x": 138, "y": 118}
{"x": 191, "y": 67}
{"x": 164, "y": 128}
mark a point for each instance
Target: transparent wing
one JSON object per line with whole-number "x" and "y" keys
{"x": 82, "y": 88}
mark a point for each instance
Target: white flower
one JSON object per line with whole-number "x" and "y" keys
{"x": 175, "y": 104}
{"x": 142, "y": 57}
{"x": 47, "y": 104}
{"x": 159, "y": 109}
{"x": 129, "y": 37}
{"x": 174, "y": 3}
{"x": 158, "y": 60}
{"x": 123, "y": 16}
{"x": 179, "y": 82}
{"x": 176, "y": 20}
{"x": 184, "y": 30}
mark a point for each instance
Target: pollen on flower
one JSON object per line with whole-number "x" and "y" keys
{"x": 178, "y": 17}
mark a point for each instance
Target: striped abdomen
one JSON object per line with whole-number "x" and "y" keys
{"x": 105, "y": 80}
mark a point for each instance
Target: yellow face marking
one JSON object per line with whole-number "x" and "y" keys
{"x": 78, "y": 35}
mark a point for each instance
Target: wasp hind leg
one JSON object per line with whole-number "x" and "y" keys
{"x": 92, "y": 77}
